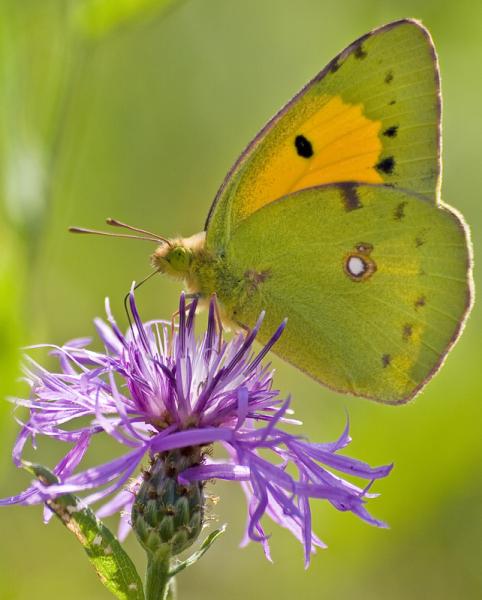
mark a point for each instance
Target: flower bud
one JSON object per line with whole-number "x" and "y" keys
{"x": 166, "y": 514}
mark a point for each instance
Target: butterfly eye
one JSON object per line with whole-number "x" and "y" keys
{"x": 179, "y": 258}
{"x": 359, "y": 267}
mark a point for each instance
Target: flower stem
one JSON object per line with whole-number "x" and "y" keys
{"x": 172, "y": 592}
{"x": 158, "y": 583}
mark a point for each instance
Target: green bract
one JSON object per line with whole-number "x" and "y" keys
{"x": 167, "y": 515}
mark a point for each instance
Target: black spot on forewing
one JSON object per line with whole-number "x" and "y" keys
{"x": 419, "y": 242}
{"x": 350, "y": 197}
{"x": 386, "y": 360}
{"x": 399, "y": 212}
{"x": 389, "y": 77}
{"x": 303, "y": 146}
{"x": 391, "y": 132}
{"x": 392, "y": 102}
{"x": 386, "y": 165}
{"x": 334, "y": 66}
{"x": 360, "y": 52}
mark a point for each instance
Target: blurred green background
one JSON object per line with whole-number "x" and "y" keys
{"x": 136, "y": 109}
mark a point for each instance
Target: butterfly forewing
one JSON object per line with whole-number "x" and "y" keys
{"x": 372, "y": 115}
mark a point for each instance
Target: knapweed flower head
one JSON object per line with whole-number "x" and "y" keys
{"x": 167, "y": 397}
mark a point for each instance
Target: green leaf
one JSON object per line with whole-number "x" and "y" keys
{"x": 96, "y": 18}
{"x": 208, "y": 542}
{"x": 113, "y": 565}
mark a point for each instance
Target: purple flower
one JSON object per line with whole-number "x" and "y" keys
{"x": 155, "y": 390}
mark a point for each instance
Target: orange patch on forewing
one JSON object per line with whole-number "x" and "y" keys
{"x": 340, "y": 144}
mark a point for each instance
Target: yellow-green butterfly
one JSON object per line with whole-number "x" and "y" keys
{"x": 332, "y": 217}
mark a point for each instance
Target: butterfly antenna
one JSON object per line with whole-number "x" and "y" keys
{"x": 116, "y": 235}
{"x": 135, "y": 287}
{"x": 146, "y": 235}
{"x": 116, "y": 223}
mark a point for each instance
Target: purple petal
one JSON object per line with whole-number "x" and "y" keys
{"x": 226, "y": 471}
{"x": 96, "y": 476}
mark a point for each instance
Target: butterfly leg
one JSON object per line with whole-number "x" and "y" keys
{"x": 219, "y": 321}
{"x": 242, "y": 326}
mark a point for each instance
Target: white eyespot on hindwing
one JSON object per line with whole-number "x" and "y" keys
{"x": 358, "y": 264}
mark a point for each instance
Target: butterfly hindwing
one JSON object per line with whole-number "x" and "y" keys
{"x": 372, "y": 115}
{"x": 375, "y": 290}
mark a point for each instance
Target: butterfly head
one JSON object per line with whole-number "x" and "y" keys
{"x": 175, "y": 257}
{"x": 174, "y": 260}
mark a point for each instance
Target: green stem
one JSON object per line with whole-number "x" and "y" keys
{"x": 158, "y": 583}
{"x": 172, "y": 592}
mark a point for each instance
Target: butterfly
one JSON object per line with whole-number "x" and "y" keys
{"x": 332, "y": 218}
